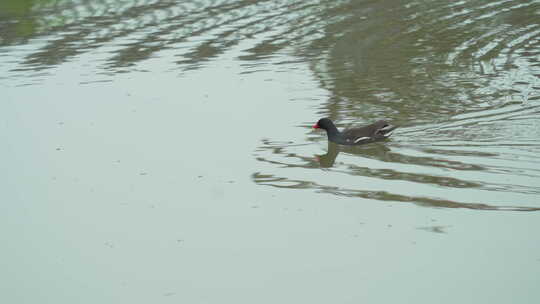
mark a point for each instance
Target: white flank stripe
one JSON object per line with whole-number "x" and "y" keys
{"x": 388, "y": 134}
{"x": 361, "y": 138}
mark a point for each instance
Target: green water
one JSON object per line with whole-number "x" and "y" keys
{"x": 161, "y": 152}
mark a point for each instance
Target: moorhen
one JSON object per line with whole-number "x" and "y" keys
{"x": 356, "y": 136}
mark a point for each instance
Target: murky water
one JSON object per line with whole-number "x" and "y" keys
{"x": 161, "y": 151}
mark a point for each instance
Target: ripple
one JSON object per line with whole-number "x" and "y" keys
{"x": 462, "y": 79}
{"x": 198, "y": 31}
{"x": 463, "y": 127}
{"x": 402, "y": 168}
{"x": 281, "y": 182}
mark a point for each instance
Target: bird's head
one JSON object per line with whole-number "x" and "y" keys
{"x": 323, "y": 123}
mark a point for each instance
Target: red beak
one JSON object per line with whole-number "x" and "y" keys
{"x": 315, "y": 126}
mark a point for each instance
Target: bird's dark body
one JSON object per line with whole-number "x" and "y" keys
{"x": 356, "y": 136}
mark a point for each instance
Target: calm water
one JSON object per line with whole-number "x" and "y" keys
{"x": 161, "y": 151}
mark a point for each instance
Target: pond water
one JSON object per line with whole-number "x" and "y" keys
{"x": 162, "y": 152}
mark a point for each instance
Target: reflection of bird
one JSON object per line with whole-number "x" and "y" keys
{"x": 356, "y": 136}
{"x": 378, "y": 152}
{"x": 327, "y": 160}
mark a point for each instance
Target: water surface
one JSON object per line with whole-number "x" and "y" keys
{"x": 161, "y": 151}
